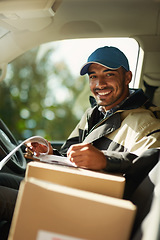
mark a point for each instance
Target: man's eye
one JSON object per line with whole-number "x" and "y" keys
{"x": 92, "y": 77}
{"x": 109, "y": 74}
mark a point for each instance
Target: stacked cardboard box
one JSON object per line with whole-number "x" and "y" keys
{"x": 107, "y": 184}
{"x": 57, "y": 202}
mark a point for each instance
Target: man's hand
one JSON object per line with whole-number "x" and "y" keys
{"x": 87, "y": 156}
{"x": 37, "y": 148}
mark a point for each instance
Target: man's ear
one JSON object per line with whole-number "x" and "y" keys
{"x": 128, "y": 77}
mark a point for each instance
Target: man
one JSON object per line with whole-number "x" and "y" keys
{"x": 111, "y": 136}
{"x": 120, "y": 125}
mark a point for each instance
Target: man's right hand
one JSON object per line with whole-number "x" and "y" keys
{"x": 37, "y": 148}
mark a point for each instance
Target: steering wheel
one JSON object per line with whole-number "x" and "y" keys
{"x": 17, "y": 163}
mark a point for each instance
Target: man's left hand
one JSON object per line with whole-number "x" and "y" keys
{"x": 85, "y": 155}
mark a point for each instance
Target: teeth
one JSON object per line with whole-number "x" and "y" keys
{"x": 103, "y": 93}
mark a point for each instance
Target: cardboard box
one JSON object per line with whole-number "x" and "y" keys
{"x": 50, "y": 211}
{"x": 107, "y": 184}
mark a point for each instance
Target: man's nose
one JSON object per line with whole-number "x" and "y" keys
{"x": 101, "y": 82}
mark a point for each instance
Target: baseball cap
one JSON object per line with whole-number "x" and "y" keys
{"x": 110, "y": 57}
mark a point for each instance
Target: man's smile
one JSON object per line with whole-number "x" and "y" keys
{"x": 102, "y": 92}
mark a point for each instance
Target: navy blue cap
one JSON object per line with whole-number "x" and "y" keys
{"x": 110, "y": 57}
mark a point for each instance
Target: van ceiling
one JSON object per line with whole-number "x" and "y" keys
{"x": 27, "y": 23}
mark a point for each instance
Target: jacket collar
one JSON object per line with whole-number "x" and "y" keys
{"x": 135, "y": 100}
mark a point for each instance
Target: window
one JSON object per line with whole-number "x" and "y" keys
{"x": 43, "y": 91}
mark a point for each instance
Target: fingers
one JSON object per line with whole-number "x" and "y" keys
{"x": 87, "y": 156}
{"x": 36, "y": 148}
{"x": 76, "y": 154}
{"x": 77, "y": 149}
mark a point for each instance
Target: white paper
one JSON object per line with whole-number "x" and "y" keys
{"x": 43, "y": 156}
{"x": 57, "y": 160}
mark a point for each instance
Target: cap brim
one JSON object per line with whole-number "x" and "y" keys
{"x": 86, "y": 66}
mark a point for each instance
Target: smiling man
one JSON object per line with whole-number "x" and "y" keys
{"x": 109, "y": 76}
{"x": 121, "y": 123}
{"x": 108, "y": 86}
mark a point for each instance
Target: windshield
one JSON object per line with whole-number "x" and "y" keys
{"x": 44, "y": 92}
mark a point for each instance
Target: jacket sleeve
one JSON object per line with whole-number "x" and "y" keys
{"x": 123, "y": 161}
{"x": 118, "y": 161}
{"x": 139, "y": 132}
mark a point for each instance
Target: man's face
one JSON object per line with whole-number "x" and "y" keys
{"x": 109, "y": 87}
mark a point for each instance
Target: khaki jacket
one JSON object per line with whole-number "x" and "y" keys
{"x": 124, "y": 135}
